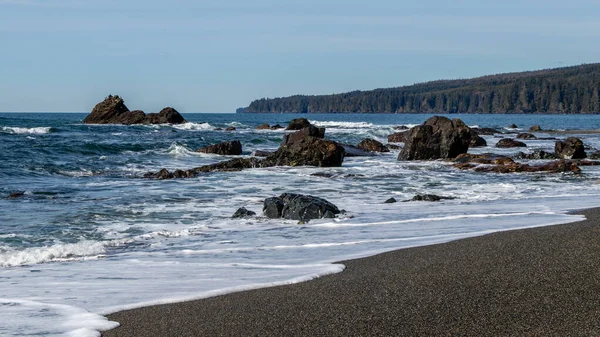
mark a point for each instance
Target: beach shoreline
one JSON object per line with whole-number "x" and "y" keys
{"x": 536, "y": 281}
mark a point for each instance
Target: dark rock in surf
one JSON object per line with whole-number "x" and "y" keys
{"x": 298, "y": 207}
{"x": 536, "y": 155}
{"x": 354, "y": 151}
{"x": 167, "y": 115}
{"x": 570, "y": 148}
{"x": 390, "y": 201}
{"x": 298, "y": 124}
{"x": 15, "y": 195}
{"x": 428, "y": 197}
{"x": 477, "y": 141}
{"x": 594, "y": 155}
{"x": 535, "y": 128}
{"x": 501, "y": 164}
{"x": 308, "y": 151}
{"x": 486, "y": 131}
{"x": 269, "y": 127}
{"x": 438, "y": 137}
{"x": 508, "y": 143}
{"x": 242, "y": 212}
{"x": 526, "y": 135}
{"x": 230, "y": 128}
{"x": 371, "y": 145}
{"x": 226, "y": 148}
{"x": 309, "y": 131}
{"x": 513, "y": 126}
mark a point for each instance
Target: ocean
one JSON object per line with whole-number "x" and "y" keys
{"x": 88, "y": 235}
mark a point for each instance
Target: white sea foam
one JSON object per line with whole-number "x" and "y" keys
{"x": 180, "y": 150}
{"x": 19, "y": 130}
{"x": 344, "y": 125}
{"x": 82, "y": 250}
{"x": 193, "y": 126}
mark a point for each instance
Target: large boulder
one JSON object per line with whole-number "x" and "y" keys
{"x": 570, "y": 148}
{"x": 298, "y": 207}
{"x": 307, "y": 151}
{"x": 298, "y": 124}
{"x": 309, "y": 131}
{"x": 226, "y": 148}
{"x": 526, "y": 135}
{"x": 477, "y": 141}
{"x": 438, "y": 137}
{"x": 112, "y": 110}
{"x": 372, "y": 145}
{"x": 508, "y": 142}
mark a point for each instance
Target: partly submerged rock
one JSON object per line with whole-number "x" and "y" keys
{"x": 535, "y": 128}
{"x": 298, "y": 207}
{"x": 537, "y": 154}
{"x": 372, "y": 145}
{"x": 570, "y": 148}
{"x": 308, "y": 151}
{"x": 167, "y": 115}
{"x": 501, "y": 164}
{"x": 225, "y": 148}
{"x": 390, "y": 201}
{"x": 428, "y": 197}
{"x": 526, "y": 135}
{"x": 509, "y": 142}
{"x": 242, "y": 212}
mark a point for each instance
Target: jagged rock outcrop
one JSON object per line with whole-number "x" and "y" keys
{"x": 227, "y": 148}
{"x": 438, "y": 137}
{"x": 112, "y": 110}
{"x": 298, "y": 207}
{"x": 371, "y": 145}
{"x": 509, "y": 142}
{"x": 570, "y": 148}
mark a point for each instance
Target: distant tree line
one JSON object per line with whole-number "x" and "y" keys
{"x": 562, "y": 90}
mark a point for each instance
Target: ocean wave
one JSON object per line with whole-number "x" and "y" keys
{"x": 180, "y": 150}
{"x": 193, "y": 126}
{"x": 344, "y": 125}
{"x": 82, "y": 250}
{"x": 33, "y": 131}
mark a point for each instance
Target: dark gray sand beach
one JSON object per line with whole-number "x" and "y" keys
{"x": 535, "y": 282}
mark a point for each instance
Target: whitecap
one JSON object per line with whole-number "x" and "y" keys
{"x": 192, "y": 126}
{"x": 34, "y": 131}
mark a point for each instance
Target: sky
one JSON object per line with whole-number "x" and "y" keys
{"x": 216, "y": 56}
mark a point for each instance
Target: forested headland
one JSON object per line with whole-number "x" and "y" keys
{"x": 571, "y": 90}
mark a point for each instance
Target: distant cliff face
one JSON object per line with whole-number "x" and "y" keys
{"x": 562, "y": 90}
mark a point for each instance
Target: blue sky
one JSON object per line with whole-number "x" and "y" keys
{"x": 209, "y": 56}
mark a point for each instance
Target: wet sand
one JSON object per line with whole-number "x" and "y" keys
{"x": 535, "y": 282}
